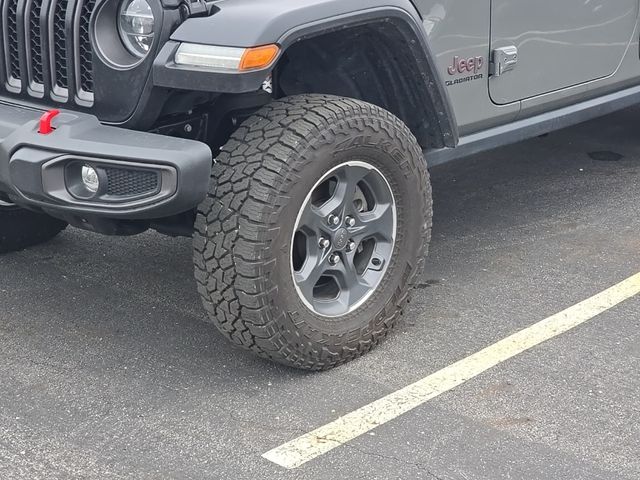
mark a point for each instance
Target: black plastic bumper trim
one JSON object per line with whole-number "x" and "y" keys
{"x": 26, "y": 156}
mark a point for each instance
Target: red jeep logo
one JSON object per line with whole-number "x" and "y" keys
{"x": 466, "y": 65}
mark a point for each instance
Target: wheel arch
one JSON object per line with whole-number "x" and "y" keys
{"x": 378, "y": 58}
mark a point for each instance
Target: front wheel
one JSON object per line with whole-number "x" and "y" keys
{"x": 315, "y": 228}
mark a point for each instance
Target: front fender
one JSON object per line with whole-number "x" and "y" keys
{"x": 250, "y": 23}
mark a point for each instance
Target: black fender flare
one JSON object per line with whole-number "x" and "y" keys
{"x": 249, "y": 23}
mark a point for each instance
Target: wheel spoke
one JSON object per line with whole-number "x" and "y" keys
{"x": 341, "y": 202}
{"x": 308, "y": 277}
{"x": 352, "y": 285}
{"x": 349, "y": 179}
{"x": 378, "y": 224}
{"x": 312, "y": 220}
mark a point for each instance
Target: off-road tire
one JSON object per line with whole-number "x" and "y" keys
{"x": 20, "y": 228}
{"x": 243, "y": 229}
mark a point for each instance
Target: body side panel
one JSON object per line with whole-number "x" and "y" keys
{"x": 626, "y": 75}
{"x": 457, "y": 28}
{"x": 460, "y": 29}
{"x": 560, "y": 44}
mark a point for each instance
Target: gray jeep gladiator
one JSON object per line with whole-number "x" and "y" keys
{"x": 289, "y": 138}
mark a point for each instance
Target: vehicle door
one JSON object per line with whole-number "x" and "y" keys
{"x": 541, "y": 46}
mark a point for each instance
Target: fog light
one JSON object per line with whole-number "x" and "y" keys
{"x": 90, "y": 178}
{"x": 84, "y": 180}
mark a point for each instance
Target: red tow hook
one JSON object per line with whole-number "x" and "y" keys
{"x": 45, "y": 121}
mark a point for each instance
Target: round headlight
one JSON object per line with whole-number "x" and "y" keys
{"x": 135, "y": 24}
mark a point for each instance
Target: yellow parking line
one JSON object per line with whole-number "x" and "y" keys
{"x": 320, "y": 441}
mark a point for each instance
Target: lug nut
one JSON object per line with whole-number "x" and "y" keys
{"x": 351, "y": 246}
{"x": 350, "y": 221}
{"x": 334, "y": 259}
{"x": 333, "y": 220}
{"x": 324, "y": 243}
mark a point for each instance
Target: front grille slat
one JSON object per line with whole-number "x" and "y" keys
{"x": 59, "y": 47}
{"x": 69, "y": 40}
{"x": 47, "y": 49}
{"x": 11, "y": 40}
{"x": 85, "y": 60}
{"x": 34, "y": 62}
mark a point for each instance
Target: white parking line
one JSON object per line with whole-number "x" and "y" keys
{"x": 320, "y": 441}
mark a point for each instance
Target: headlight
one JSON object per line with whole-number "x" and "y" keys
{"x": 135, "y": 24}
{"x": 226, "y": 58}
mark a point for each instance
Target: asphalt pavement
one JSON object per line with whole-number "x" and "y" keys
{"x": 108, "y": 372}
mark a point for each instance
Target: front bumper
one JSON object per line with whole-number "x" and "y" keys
{"x": 146, "y": 176}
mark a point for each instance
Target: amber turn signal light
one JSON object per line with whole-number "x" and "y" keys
{"x": 258, "y": 57}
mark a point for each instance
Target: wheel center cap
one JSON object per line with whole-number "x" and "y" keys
{"x": 340, "y": 238}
